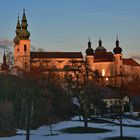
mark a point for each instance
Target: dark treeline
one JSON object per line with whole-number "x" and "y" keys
{"x": 35, "y": 99}
{"x": 31, "y": 102}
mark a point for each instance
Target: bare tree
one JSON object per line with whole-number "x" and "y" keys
{"x": 118, "y": 108}
{"x": 84, "y": 92}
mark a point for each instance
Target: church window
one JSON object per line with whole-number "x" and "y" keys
{"x": 25, "y": 48}
{"x": 103, "y": 72}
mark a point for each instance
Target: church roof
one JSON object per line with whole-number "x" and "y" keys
{"x": 130, "y": 61}
{"x": 56, "y": 55}
{"x": 103, "y": 57}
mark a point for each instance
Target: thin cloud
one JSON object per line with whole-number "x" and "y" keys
{"x": 36, "y": 49}
{"x": 5, "y": 44}
{"x": 136, "y": 56}
{"x": 33, "y": 48}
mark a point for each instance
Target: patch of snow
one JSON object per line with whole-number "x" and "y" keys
{"x": 41, "y": 132}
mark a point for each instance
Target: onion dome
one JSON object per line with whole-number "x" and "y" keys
{"x": 100, "y": 48}
{"x": 25, "y": 34}
{"x": 16, "y": 40}
{"x": 18, "y": 31}
{"x": 89, "y": 50}
{"x": 117, "y": 49}
{"x": 4, "y": 66}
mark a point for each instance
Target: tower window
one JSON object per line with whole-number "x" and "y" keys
{"x": 25, "y": 48}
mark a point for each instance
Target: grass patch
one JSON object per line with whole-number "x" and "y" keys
{"x": 80, "y": 130}
{"x": 99, "y": 120}
{"x": 118, "y": 138}
{"x": 96, "y": 120}
{"x": 7, "y": 132}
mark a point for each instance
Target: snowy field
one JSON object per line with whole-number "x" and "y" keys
{"x": 40, "y": 133}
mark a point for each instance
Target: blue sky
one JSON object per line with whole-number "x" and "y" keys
{"x": 65, "y": 25}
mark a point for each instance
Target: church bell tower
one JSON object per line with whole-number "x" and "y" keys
{"x": 118, "y": 63}
{"x": 22, "y": 44}
{"x": 89, "y": 59}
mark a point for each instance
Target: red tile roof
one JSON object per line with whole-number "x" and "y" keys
{"x": 130, "y": 61}
{"x": 56, "y": 55}
{"x": 103, "y": 57}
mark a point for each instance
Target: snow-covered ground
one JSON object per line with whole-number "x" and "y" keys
{"x": 126, "y": 121}
{"x": 42, "y": 132}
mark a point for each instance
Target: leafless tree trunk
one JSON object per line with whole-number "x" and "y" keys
{"x": 28, "y": 119}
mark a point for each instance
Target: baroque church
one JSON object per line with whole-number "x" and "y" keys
{"x": 108, "y": 66}
{"x": 105, "y": 67}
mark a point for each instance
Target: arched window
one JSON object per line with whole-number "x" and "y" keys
{"x": 25, "y": 48}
